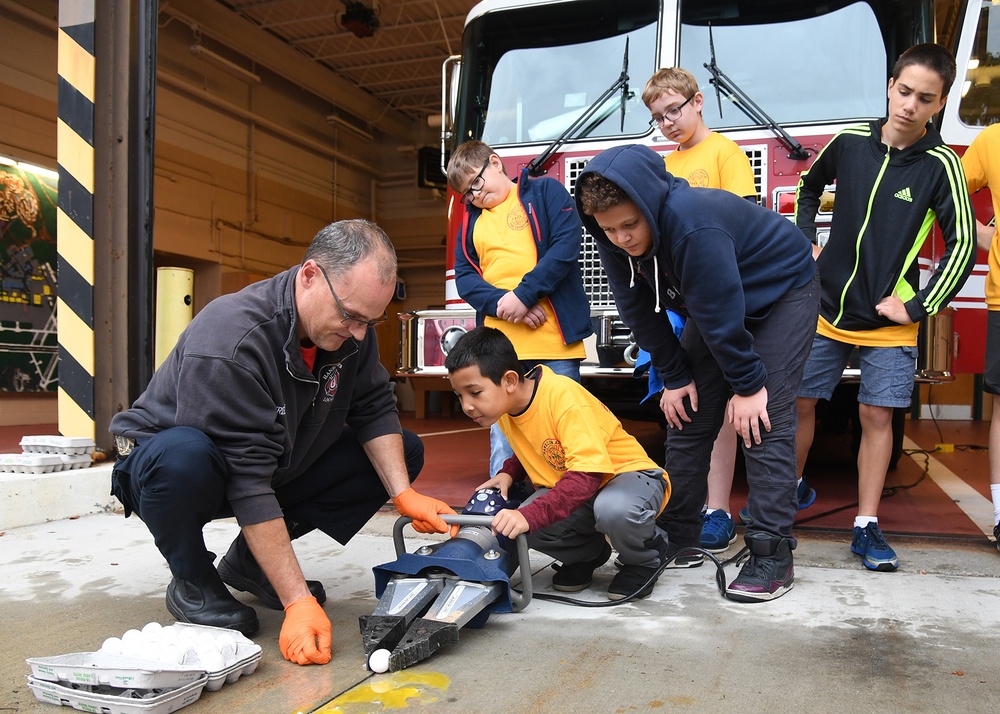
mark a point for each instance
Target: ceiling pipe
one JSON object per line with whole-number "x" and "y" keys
{"x": 241, "y": 35}
{"x": 264, "y": 123}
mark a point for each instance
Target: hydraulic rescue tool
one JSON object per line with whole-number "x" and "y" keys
{"x": 427, "y": 596}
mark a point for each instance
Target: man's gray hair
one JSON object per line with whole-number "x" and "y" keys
{"x": 342, "y": 245}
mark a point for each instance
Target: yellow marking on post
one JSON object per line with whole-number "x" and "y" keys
{"x": 76, "y": 65}
{"x": 75, "y": 246}
{"x": 74, "y": 332}
{"x": 75, "y": 155}
{"x": 73, "y": 421}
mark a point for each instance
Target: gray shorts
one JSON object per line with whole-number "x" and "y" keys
{"x": 991, "y": 371}
{"x": 886, "y": 372}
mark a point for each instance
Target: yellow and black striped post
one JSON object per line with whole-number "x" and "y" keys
{"x": 75, "y": 223}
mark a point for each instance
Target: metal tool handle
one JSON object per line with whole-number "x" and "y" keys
{"x": 518, "y": 600}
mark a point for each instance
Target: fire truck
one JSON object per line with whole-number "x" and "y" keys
{"x": 549, "y": 84}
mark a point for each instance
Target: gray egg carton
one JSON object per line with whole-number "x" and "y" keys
{"x": 113, "y": 700}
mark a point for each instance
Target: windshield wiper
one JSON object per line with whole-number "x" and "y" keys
{"x": 535, "y": 167}
{"x": 737, "y": 96}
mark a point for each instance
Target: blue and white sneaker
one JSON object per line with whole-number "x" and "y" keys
{"x": 875, "y": 553}
{"x": 718, "y": 531}
{"x": 805, "y": 494}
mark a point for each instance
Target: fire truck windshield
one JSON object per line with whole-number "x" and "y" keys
{"x": 529, "y": 71}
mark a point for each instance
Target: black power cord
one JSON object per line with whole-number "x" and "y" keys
{"x": 720, "y": 579}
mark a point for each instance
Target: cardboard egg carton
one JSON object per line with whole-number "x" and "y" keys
{"x": 38, "y": 463}
{"x": 54, "y": 444}
{"x": 30, "y": 463}
{"x": 124, "y": 684}
{"x": 114, "y": 700}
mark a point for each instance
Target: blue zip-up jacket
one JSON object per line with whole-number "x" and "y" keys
{"x": 237, "y": 374}
{"x": 555, "y": 226}
{"x": 715, "y": 257}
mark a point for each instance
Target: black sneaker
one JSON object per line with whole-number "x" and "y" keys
{"x": 632, "y": 580}
{"x": 688, "y": 560}
{"x": 996, "y": 534}
{"x": 574, "y": 577}
{"x": 768, "y": 572}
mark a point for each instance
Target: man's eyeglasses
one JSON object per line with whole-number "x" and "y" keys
{"x": 671, "y": 114}
{"x": 350, "y": 319}
{"x": 477, "y": 183}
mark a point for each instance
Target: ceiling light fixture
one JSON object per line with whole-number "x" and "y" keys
{"x": 338, "y": 121}
{"x": 227, "y": 65}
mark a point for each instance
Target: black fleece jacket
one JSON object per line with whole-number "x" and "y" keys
{"x": 237, "y": 374}
{"x": 887, "y": 201}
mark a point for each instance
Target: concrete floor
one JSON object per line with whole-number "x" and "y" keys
{"x": 922, "y": 639}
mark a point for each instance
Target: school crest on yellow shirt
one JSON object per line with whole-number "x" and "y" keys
{"x": 517, "y": 219}
{"x": 552, "y": 450}
{"x": 698, "y": 178}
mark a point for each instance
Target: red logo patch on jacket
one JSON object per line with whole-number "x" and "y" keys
{"x": 331, "y": 379}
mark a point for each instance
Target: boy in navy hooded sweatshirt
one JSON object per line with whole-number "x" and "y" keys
{"x": 745, "y": 278}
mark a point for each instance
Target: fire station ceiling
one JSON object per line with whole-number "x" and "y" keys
{"x": 390, "y": 49}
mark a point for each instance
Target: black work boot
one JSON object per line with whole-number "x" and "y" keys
{"x": 768, "y": 572}
{"x": 207, "y": 601}
{"x": 239, "y": 570}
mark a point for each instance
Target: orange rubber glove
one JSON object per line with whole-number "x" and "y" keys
{"x": 424, "y": 511}
{"x": 305, "y": 635}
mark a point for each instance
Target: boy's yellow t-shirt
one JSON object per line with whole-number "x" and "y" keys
{"x": 715, "y": 162}
{"x": 507, "y": 251}
{"x": 566, "y": 428}
{"x": 982, "y": 170}
{"x": 888, "y": 336}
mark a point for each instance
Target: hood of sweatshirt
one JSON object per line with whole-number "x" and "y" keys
{"x": 639, "y": 172}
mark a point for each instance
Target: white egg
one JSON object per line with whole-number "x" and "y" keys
{"x": 151, "y": 627}
{"x": 171, "y": 654}
{"x": 205, "y": 640}
{"x": 149, "y": 651}
{"x": 379, "y": 661}
{"x": 131, "y": 647}
{"x": 211, "y": 660}
{"x": 112, "y": 645}
{"x": 132, "y": 636}
{"x": 168, "y": 636}
{"x": 185, "y": 634}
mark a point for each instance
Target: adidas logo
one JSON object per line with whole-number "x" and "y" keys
{"x": 904, "y": 194}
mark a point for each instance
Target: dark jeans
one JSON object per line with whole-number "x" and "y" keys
{"x": 175, "y": 482}
{"x": 782, "y": 340}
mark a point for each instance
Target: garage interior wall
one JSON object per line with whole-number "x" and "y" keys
{"x": 247, "y": 169}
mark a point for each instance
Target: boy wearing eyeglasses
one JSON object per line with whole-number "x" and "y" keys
{"x": 517, "y": 263}
{"x": 705, "y": 159}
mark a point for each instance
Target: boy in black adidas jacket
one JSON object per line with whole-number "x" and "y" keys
{"x": 894, "y": 177}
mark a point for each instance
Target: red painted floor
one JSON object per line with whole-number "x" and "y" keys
{"x": 457, "y": 456}
{"x": 457, "y": 459}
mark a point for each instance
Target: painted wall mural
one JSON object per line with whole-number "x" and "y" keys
{"x": 28, "y": 344}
